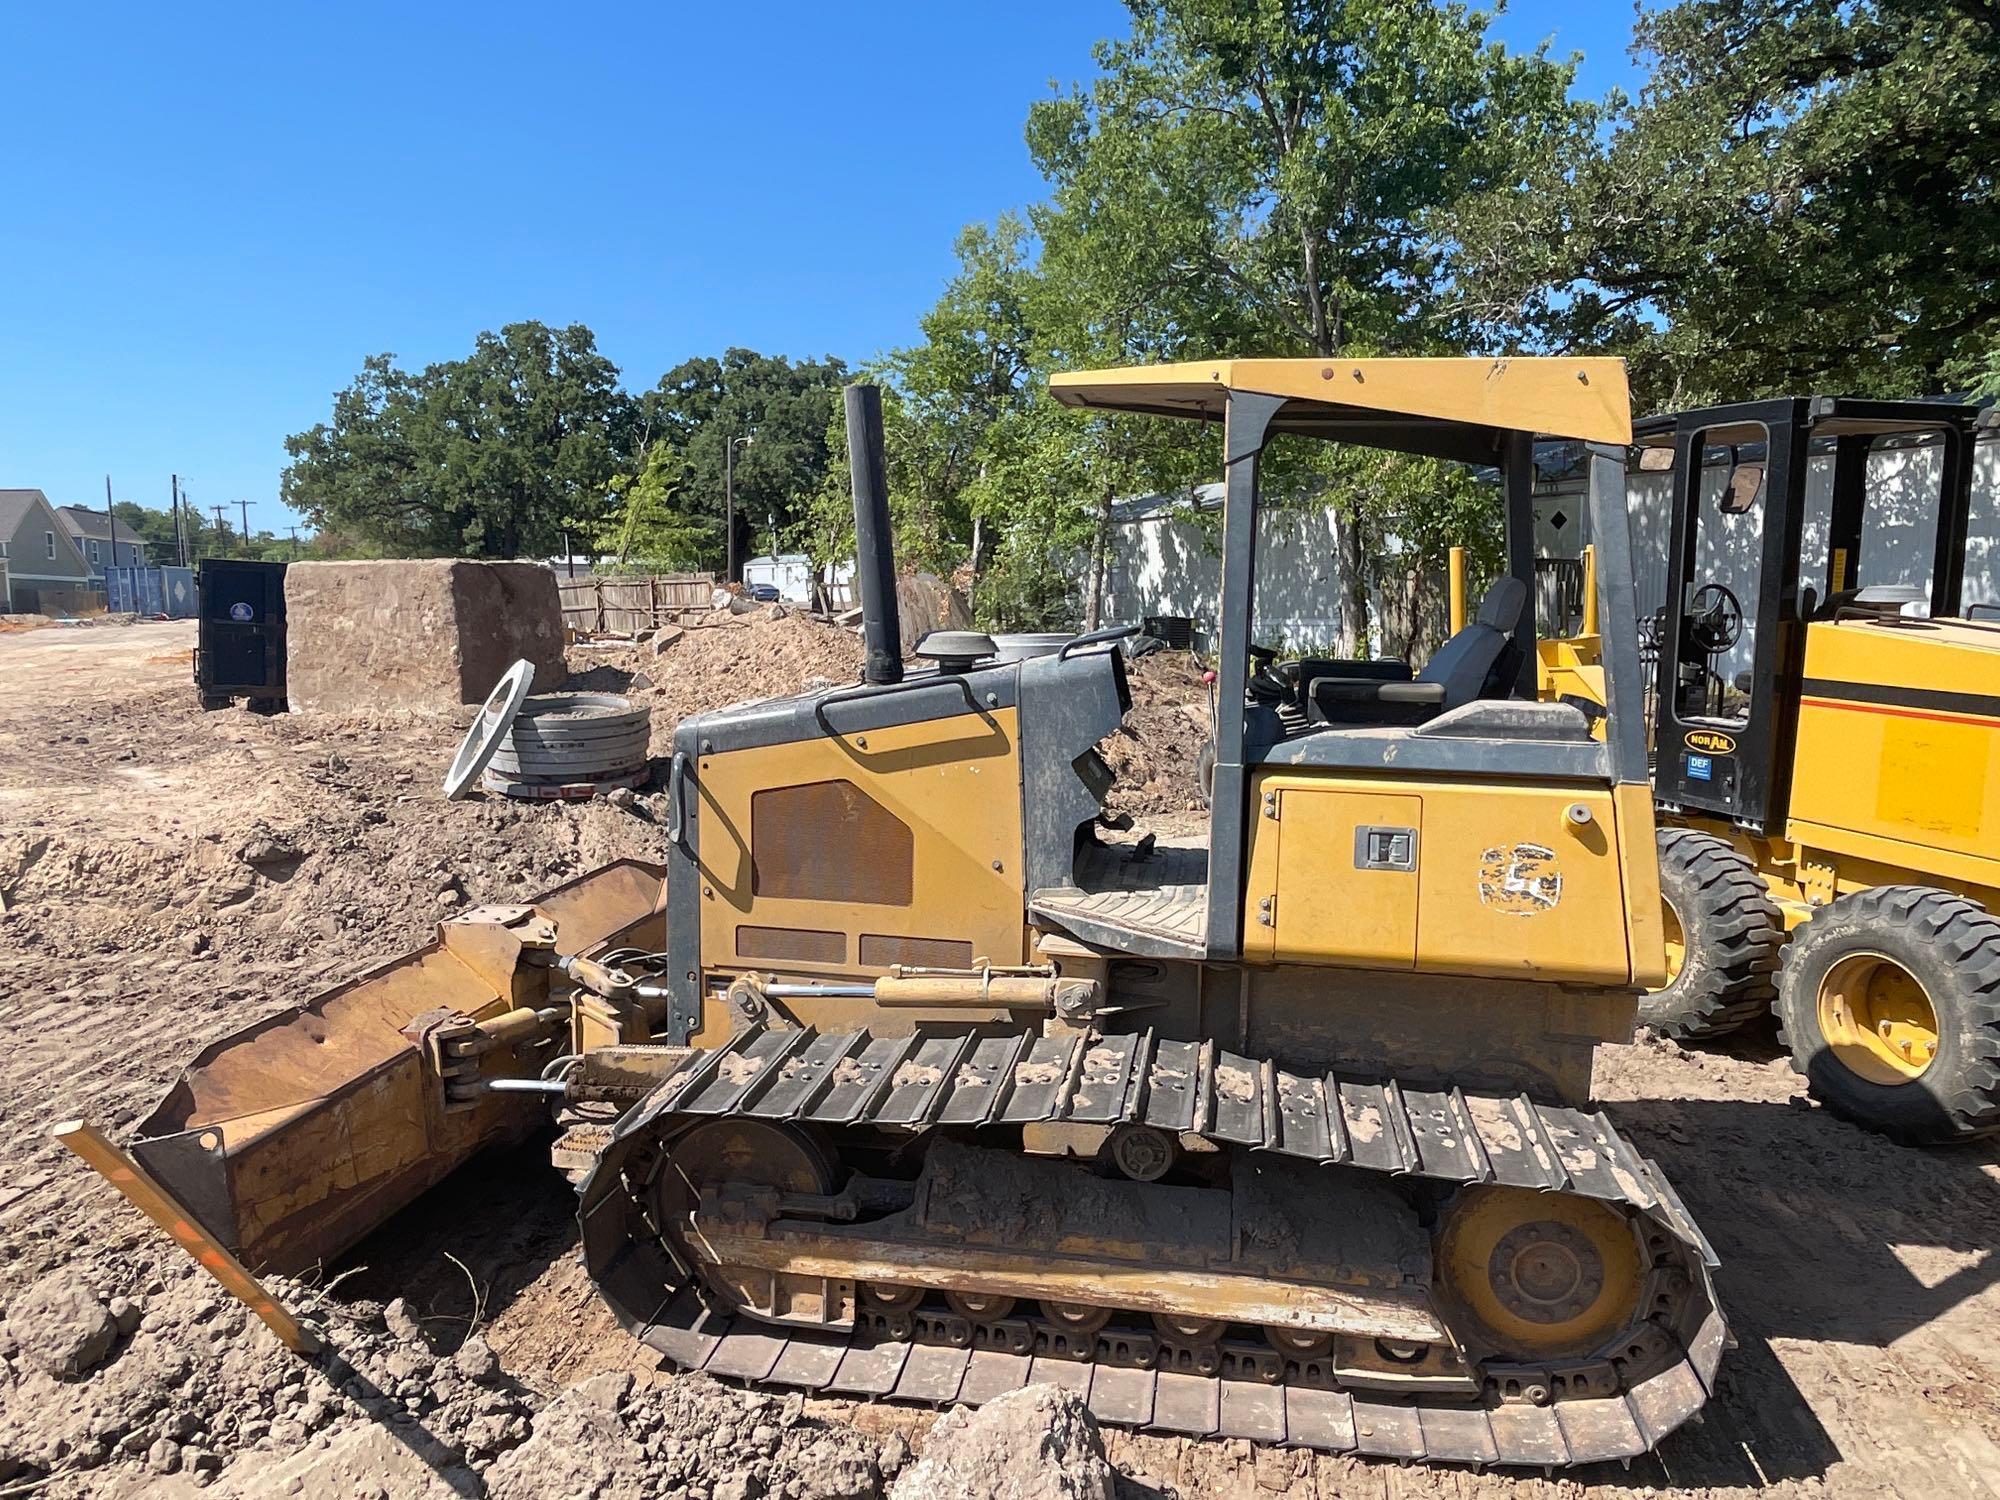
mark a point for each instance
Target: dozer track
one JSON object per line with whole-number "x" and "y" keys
{"x": 1442, "y": 1395}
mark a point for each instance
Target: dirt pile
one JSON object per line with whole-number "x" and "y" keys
{"x": 185, "y": 1390}
{"x": 612, "y": 1437}
{"x": 725, "y": 658}
{"x": 1155, "y": 750}
{"x": 189, "y": 1385}
{"x": 721, "y": 658}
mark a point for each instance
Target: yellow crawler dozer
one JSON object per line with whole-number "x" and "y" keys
{"x": 905, "y": 1079}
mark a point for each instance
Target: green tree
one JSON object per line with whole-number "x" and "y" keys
{"x": 985, "y": 467}
{"x": 1802, "y": 195}
{"x": 493, "y": 455}
{"x": 702, "y": 406}
{"x": 1266, "y": 176}
{"x": 648, "y": 522}
{"x": 974, "y": 372}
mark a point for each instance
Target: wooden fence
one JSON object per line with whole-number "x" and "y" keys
{"x": 626, "y": 606}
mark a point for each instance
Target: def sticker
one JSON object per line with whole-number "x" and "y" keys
{"x": 1521, "y": 880}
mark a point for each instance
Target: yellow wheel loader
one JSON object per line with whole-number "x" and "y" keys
{"x": 903, "y": 1079}
{"x": 1827, "y": 747}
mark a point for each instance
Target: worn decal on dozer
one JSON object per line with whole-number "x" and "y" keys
{"x": 1522, "y": 880}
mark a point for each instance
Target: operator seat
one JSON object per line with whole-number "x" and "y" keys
{"x": 1458, "y": 672}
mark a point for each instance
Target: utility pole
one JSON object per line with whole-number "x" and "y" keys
{"x": 111, "y": 535}
{"x": 729, "y": 508}
{"x": 245, "y": 504}
{"x": 221, "y": 526}
{"x": 180, "y": 536}
{"x": 295, "y": 544}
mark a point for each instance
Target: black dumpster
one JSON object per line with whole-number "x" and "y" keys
{"x": 240, "y": 641}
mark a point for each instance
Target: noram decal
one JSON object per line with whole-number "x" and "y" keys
{"x": 1710, "y": 742}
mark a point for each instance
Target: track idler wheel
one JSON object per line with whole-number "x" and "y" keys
{"x": 750, "y": 1152}
{"x": 1544, "y": 1275}
{"x": 979, "y": 1307}
{"x": 893, "y": 1301}
{"x": 1190, "y": 1330}
{"x": 1299, "y": 1343}
{"x": 1077, "y": 1319}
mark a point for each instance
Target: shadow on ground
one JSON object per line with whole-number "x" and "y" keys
{"x": 506, "y": 1215}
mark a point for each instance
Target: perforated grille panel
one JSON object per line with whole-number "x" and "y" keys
{"x": 799, "y": 944}
{"x": 881, "y": 952}
{"x": 828, "y": 841}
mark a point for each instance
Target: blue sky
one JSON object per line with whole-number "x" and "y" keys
{"x": 213, "y": 213}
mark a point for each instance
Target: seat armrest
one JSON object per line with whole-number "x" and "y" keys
{"x": 1312, "y": 668}
{"x": 1348, "y": 689}
{"x": 1428, "y": 694}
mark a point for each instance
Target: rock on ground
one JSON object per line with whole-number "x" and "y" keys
{"x": 578, "y": 1447}
{"x": 363, "y": 1461}
{"x": 60, "y": 1324}
{"x": 1037, "y": 1443}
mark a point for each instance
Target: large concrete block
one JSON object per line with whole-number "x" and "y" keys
{"x": 415, "y": 637}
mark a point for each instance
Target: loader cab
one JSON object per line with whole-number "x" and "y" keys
{"x": 1774, "y": 525}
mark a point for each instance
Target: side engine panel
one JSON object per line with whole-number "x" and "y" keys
{"x": 847, "y": 854}
{"x": 1437, "y": 876}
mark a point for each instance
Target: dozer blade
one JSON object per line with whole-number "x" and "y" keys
{"x": 292, "y": 1139}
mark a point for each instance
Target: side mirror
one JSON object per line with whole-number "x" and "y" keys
{"x": 1655, "y": 460}
{"x": 1746, "y": 481}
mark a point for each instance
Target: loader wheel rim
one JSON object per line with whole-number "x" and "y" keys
{"x": 1544, "y": 1274}
{"x": 1676, "y": 940}
{"x": 1878, "y": 1019}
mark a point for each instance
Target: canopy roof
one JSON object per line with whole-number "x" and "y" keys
{"x": 1455, "y": 408}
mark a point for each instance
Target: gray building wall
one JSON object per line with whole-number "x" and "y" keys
{"x": 88, "y": 529}
{"x": 27, "y": 521}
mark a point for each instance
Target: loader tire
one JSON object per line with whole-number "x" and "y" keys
{"x": 1729, "y": 936}
{"x": 1890, "y": 1008}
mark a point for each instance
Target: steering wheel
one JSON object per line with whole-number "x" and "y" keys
{"x": 1714, "y": 618}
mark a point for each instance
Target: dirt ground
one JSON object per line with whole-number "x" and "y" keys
{"x": 167, "y": 876}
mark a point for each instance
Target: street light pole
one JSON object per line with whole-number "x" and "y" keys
{"x": 729, "y": 507}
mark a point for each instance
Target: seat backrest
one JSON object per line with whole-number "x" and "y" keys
{"x": 1463, "y": 663}
{"x": 1502, "y": 605}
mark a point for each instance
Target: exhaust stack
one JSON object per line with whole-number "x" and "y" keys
{"x": 874, "y": 541}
